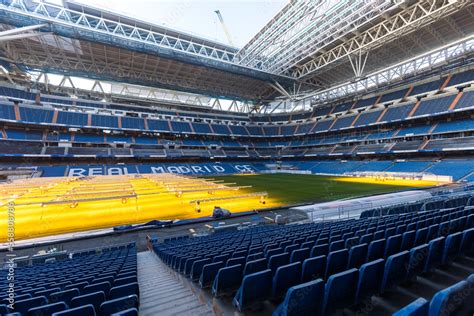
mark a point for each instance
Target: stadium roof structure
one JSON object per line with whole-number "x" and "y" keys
{"x": 310, "y": 46}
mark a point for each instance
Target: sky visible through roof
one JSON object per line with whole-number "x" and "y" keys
{"x": 244, "y": 18}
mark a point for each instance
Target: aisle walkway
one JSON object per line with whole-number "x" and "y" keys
{"x": 162, "y": 292}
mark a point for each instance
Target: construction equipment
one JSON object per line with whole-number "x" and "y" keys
{"x": 226, "y": 31}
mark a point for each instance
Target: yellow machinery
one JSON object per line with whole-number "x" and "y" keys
{"x": 48, "y": 206}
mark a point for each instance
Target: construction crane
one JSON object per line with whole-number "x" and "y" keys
{"x": 229, "y": 38}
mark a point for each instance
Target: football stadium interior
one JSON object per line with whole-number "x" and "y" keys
{"x": 326, "y": 167}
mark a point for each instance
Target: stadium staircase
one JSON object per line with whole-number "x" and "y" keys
{"x": 162, "y": 292}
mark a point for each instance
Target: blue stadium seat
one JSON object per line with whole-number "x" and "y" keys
{"x": 85, "y": 310}
{"x": 127, "y": 312}
{"x": 396, "y": 270}
{"x": 419, "y": 307}
{"x": 255, "y": 289}
{"x": 299, "y": 255}
{"x": 451, "y": 300}
{"x": 420, "y": 237}
{"x": 23, "y": 306}
{"x": 209, "y": 272}
{"x": 336, "y": 262}
{"x": 119, "y": 304}
{"x": 357, "y": 256}
{"x": 376, "y": 250}
{"x": 418, "y": 259}
{"x": 340, "y": 291}
{"x": 370, "y": 279}
{"x": 408, "y": 240}
{"x": 285, "y": 277}
{"x": 255, "y": 266}
{"x": 435, "y": 253}
{"x": 467, "y": 242}
{"x": 124, "y": 290}
{"x": 452, "y": 247}
{"x": 97, "y": 287}
{"x": 234, "y": 261}
{"x": 277, "y": 261}
{"x": 302, "y": 299}
{"x": 320, "y": 250}
{"x": 227, "y": 280}
{"x": 313, "y": 268}
{"x": 47, "y": 309}
{"x": 94, "y": 299}
{"x": 197, "y": 266}
{"x": 393, "y": 245}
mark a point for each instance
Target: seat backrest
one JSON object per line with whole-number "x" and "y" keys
{"x": 64, "y": 296}
{"x": 336, "y": 262}
{"x": 408, "y": 239}
{"x": 85, "y": 310}
{"x": 396, "y": 270}
{"x": 47, "y": 309}
{"x": 278, "y": 260}
{"x": 127, "y": 312}
{"x": 303, "y": 299}
{"x": 417, "y": 261}
{"x": 320, "y": 250}
{"x": 227, "y": 280}
{"x": 420, "y": 237}
{"x": 285, "y": 277}
{"x": 376, "y": 250}
{"x": 209, "y": 272}
{"x": 450, "y": 301}
{"x": 452, "y": 247}
{"x": 95, "y": 299}
{"x": 124, "y": 290}
{"x": 370, "y": 279}
{"x": 299, "y": 255}
{"x": 340, "y": 290}
{"x": 418, "y": 307}
{"x": 97, "y": 287}
{"x": 22, "y": 306}
{"x": 118, "y": 305}
{"x": 435, "y": 253}
{"x": 357, "y": 256}
{"x": 336, "y": 245}
{"x": 255, "y": 288}
{"x": 393, "y": 245}
{"x": 313, "y": 268}
{"x": 255, "y": 266}
{"x": 467, "y": 242}
{"x": 236, "y": 260}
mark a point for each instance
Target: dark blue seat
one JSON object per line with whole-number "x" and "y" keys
{"x": 408, "y": 240}
{"x": 302, "y": 299}
{"x": 435, "y": 253}
{"x": 452, "y": 247}
{"x": 467, "y": 242}
{"x": 127, "y": 312}
{"x": 85, "y": 310}
{"x": 124, "y": 290}
{"x": 80, "y": 286}
{"x": 418, "y": 307}
{"x": 336, "y": 262}
{"x": 357, "y": 256}
{"x": 351, "y": 242}
{"x": 393, "y": 245}
{"x": 450, "y": 301}
{"x": 420, "y": 237}
{"x": 255, "y": 266}
{"x": 336, "y": 245}
{"x": 277, "y": 261}
{"x": 417, "y": 261}
{"x": 64, "y": 296}
{"x": 285, "y": 277}
{"x": 119, "y": 304}
{"x": 127, "y": 280}
{"x": 366, "y": 239}
{"x": 376, "y": 250}
{"x": 47, "y": 292}
{"x": 23, "y": 306}
{"x": 432, "y": 232}
{"x": 396, "y": 270}
{"x": 209, "y": 272}
{"x": 94, "y": 299}
{"x": 340, "y": 291}
{"x": 370, "y": 279}
{"x": 236, "y": 260}
{"x": 254, "y": 256}
{"x": 48, "y": 309}
{"x": 313, "y": 268}
{"x": 227, "y": 280}
{"x": 97, "y": 287}
{"x": 299, "y": 255}
{"x": 255, "y": 288}
{"x": 320, "y": 250}
{"x": 196, "y": 269}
